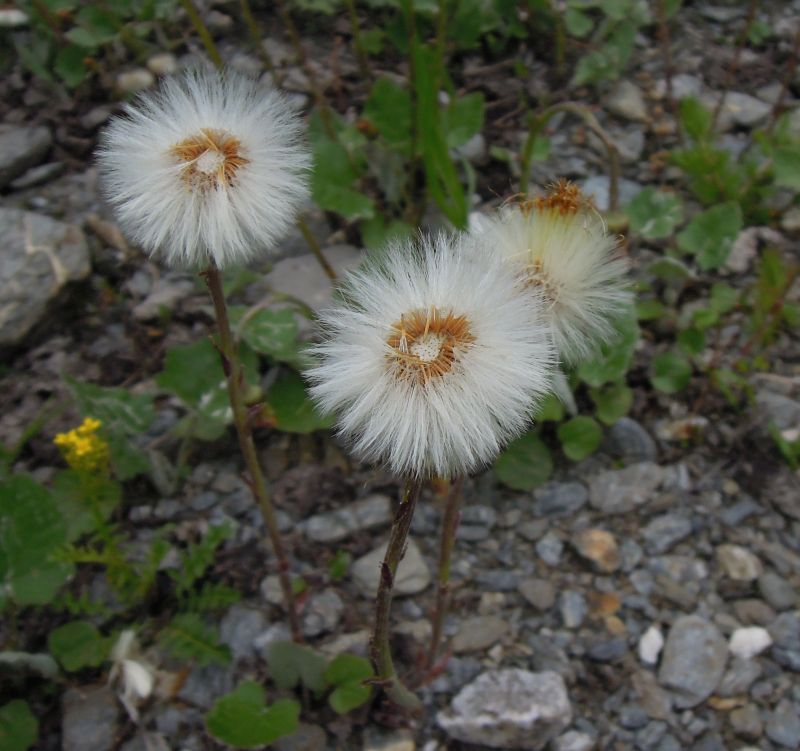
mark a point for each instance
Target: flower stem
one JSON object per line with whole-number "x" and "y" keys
{"x": 308, "y": 236}
{"x": 255, "y": 38}
{"x": 234, "y": 374}
{"x": 447, "y": 542}
{"x": 203, "y": 32}
{"x": 380, "y": 649}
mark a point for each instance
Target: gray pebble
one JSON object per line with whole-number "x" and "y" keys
{"x": 560, "y": 498}
{"x": 778, "y": 592}
{"x": 549, "y": 549}
{"x": 783, "y": 725}
{"x": 573, "y": 608}
{"x": 663, "y": 532}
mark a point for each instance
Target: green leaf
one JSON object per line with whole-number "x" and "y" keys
{"x": 723, "y": 298}
{"x": 670, "y": 372}
{"x": 670, "y": 270}
{"x": 124, "y": 417}
{"x": 81, "y": 498}
{"x": 612, "y": 401}
{"x": 32, "y": 530}
{"x": 241, "y": 718}
{"x": 77, "y": 645}
{"x": 463, "y": 119}
{"x": 388, "y": 108}
{"x": 692, "y": 341}
{"x": 787, "y": 167}
{"x": 291, "y": 407}
{"x": 70, "y": 65}
{"x": 273, "y": 333}
{"x": 695, "y": 118}
{"x": 348, "y": 672}
{"x": 710, "y": 234}
{"x": 188, "y": 637}
{"x": 525, "y": 464}
{"x": 19, "y": 728}
{"x": 578, "y": 24}
{"x": 580, "y": 437}
{"x": 551, "y": 409}
{"x": 376, "y": 233}
{"x": 339, "y": 565}
{"x": 648, "y": 310}
{"x": 290, "y": 664}
{"x": 614, "y": 359}
{"x": 654, "y": 213}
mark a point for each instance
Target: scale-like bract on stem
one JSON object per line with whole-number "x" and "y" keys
{"x": 435, "y": 357}
{"x": 210, "y": 167}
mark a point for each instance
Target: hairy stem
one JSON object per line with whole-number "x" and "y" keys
{"x": 538, "y": 122}
{"x": 202, "y": 32}
{"x": 413, "y": 210}
{"x": 380, "y": 649}
{"x": 452, "y": 512}
{"x": 234, "y": 374}
{"x": 361, "y": 55}
{"x": 255, "y": 38}
{"x": 308, "y": 236}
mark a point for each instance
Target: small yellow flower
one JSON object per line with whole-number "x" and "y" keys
{"x": 83, "y": 449}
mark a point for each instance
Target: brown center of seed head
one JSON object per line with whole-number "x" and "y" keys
{"x": 211, "y": 158}
{"x": 425, "y": 343}
{"x": 564, "y": 197}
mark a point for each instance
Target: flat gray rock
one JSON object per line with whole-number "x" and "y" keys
{"x": 618, "y": 491}
{"x": 478, "y": 633}
{"x": 40, "y": 256}
{"x": 21, "y": 147}
{"x": 694, "y": 660}
{"x": 89, "y": 719}
{"x": 510, "y": 708}
{"x": 412, "y": 574}
{"x": 333, "y": 526}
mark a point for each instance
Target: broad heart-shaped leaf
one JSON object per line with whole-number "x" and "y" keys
{"x": 273, "y": 333}
{"x": 18, "y": 726}
{"x": 695, "y": 118}
{"x": 188, "y": 637}
{"x": 670, "y": 372}
{"x": 655, "y": 213}
{"x": 124, "y": 416}
{"x": 347, "y": 673}
{"x": 463, "y": 119}
{"x": 614, "y": 359}
{"x": 551, "y": 409}
{"x": 671, "y": 270}
{"x": 787, "y": 167}
{"x": 290, "y": 664}
{"x": 580, "y": 437}
{"x": 32, "y": 529}
{"x": 291, "y": 407}
{"x": 77, "y": 645}
{"x": 388, "y": 108}
{"x": 80, "y": 498}
{"x": 612, "y": 401}
{"x": 710, "y": 234}
{"x": 525, "y": 464}
{"x": 242, "y": 720}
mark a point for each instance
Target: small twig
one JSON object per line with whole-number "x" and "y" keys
{"x": 733, "y": 69}
{"x": 538, "y": 122}
{"x": 791, "y": 67}
{"x": 255, "y": 38}
{"x": 202, "y": 32}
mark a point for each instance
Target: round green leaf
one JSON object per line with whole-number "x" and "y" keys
{"x": 293, "y": 411}
{"x": 525, "y": 464}
{"x": 77, "y": 645}
{"x": 654, "y": 214}
{"x": 670, "y": 372}
{"x": 580, "y": 437}
{"x": 242, "y": 720}
{"x": 18, "y": 726}
{"x": 612, "y": 402}
{"x": 710, "y": 234}
{"x": 349, "y": 696}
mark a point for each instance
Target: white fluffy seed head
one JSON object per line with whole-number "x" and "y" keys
{"x": 211, "y": 167}
{"x": 433, "y": 359}
{"x": 562, "y": 249}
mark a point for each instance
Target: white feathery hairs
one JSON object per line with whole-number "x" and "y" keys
{"x": 433, "y": 359}
{"x": 561, "y": 247}
{"x": 209, "y": 168}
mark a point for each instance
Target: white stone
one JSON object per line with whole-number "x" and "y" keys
{"x": 650, "y": 645}
{"x": 162, "y": 64}
{"x": 509, "y": 708}
{"x": 738, "y": 563}
{"x": 135, "y": 80}
{"x": 748, "y": 642}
